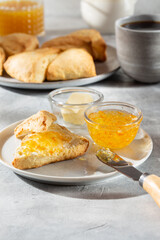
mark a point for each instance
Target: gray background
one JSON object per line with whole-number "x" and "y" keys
{"x": 71, "y": 9}
{"x": 116, "y": 209}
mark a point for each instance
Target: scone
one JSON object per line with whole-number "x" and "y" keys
{"x": 18, "y": 42}
{"x": 73, "y": 63}
{"x": 30, "y": 67}
{"x": 97, "y": 43}
{"x": 51, "y": 146}
{"x": 89, "y": 39}
{"x": 2, "y": 60}
{"x": 66, "y": 42}
{"x": 38, "y": 122}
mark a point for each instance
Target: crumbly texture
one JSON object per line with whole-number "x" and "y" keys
{"x": 39, "y": 122}
{"x": 55, "y": 145}
{"x": 18, "y": 42}
{"x": 2, "y": 60}
{"x": 30, "y": 67}
{"x": 89, "y": 39}
{"x": 73, "y": 63}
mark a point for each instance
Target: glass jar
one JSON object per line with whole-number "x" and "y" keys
{"x": 25, "y": 16}
{"x": 113, "y": 125}
{"x": 69, "y": 104}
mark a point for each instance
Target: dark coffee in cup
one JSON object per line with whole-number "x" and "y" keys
{"x": 138, "y": 47}
{"x": 142, "y": 25}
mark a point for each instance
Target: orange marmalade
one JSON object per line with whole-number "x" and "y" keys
{"x": 43, "y": 143}
{"x": 21, "y": 16}
{"x": 113, "y": 128}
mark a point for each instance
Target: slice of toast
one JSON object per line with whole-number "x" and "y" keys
{"x": 51, "y": 146}
{"x": 38, "y": 122}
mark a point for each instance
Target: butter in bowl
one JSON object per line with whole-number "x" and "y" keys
{"x": 69, "y": 104}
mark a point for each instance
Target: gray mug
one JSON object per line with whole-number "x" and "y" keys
{"x": 139, "y": 50}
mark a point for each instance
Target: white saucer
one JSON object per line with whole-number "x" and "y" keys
{"x": 83, "y": 170}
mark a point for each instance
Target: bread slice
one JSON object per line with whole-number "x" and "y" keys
{"x": 89, "y": 39}
{"x": 18, "y": 42}
{"x": 51, "y": 146}
{"x": 73, "y": 63}
{"x": 38, "y": 122}
{"x": 30, "y": 67}
{"x": 2, "y": 60}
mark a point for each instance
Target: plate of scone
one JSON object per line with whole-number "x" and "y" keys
{"x": 79, "y": 58}
{"x": 40, "y": 149}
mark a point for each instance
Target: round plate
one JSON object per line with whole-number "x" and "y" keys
{"x": 82, "y": 170}
{"x": 103, "y": 71}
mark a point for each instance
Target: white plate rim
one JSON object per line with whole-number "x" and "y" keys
{"x": 59, "y": 84}
{"x": 65, "y": 180}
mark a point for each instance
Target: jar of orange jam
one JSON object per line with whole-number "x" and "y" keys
{"x": 25, "y": 16}
{"x": 113, "y": 125}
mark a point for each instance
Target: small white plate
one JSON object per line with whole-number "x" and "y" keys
{"x": 104, "y": 70}
{"x": 83, "y": 170}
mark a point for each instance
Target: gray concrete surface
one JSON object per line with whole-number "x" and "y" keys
{"x": 116, "y": 209}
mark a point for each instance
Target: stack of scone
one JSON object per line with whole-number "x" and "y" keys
{"x": 44, "y": 142}
{"x": 63, "y": 58}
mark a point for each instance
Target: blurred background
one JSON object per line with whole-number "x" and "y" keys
{"x": 56, "y": 11}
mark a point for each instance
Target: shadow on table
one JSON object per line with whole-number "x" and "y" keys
{"x": 116, "y": 188}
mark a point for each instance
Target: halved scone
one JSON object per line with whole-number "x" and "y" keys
{"x": 73, "y": 63}
{"x": 51, "y": 146}
{"x": 38, "y": 122}
{"x": 30, "y": 66}
{"x": 18, "y": 42}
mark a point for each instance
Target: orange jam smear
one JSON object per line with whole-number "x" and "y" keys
{"x": 21, "y": 16}
{"x": 113, "y": 128}
{"x": 44, "y": 143}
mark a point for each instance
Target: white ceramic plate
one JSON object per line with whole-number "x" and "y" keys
{"x": 82, "y": 170}
{"x": 103, "y": 70}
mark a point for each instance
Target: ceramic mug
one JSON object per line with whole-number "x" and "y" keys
{"x": 139, "y": 50}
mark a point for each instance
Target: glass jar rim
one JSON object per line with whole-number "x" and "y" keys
{"x": 74, "y": 89}
{"x": 114, "y": 103}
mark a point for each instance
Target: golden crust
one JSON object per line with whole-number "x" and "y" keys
{"x": 55, "y": 145}
{"x": 66, "y": 42}
{"x": 18, "y": 42}
{"x": 38, "y": 122}
{"x": 2, "y": 60}
{"x": 73, "y": 63}
{"x": 89, "y": 39}
{"x": 97, "y": 43}
{"x": 30, "y": 66}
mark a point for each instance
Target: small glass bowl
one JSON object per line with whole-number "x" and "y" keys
{"x": 107, "y": 134}
{"x": 72, "y": 115}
